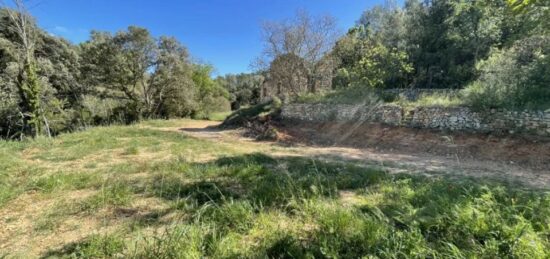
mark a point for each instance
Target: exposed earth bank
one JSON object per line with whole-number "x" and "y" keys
{"x": 514, "y": 159}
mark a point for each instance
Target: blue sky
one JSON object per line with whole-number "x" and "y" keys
{"x": 224, "y": 33}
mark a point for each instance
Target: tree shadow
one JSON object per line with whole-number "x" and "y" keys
{"x": 213, "y": 128}
{"x": 406, "y": 201}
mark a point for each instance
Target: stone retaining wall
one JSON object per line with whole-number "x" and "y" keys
{"x": 453, "y": 119}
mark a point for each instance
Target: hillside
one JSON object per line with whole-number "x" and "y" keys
{"x": 186, "y": 189}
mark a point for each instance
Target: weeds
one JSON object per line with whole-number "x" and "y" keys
{"x": 117, "y": 194}
{"x": 258, "y": 206}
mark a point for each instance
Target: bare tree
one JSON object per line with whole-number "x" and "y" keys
{"x": 294, "y": 48}
{"x": 28, "y": 83}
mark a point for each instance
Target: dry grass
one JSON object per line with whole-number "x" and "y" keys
{"x": 165, "y": 189}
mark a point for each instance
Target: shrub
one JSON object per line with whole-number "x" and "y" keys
{"x": 515, "y": 78}
{"x": 240, "y": 117}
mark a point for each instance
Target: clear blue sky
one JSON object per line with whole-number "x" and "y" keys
{"x": 224, "y": 33}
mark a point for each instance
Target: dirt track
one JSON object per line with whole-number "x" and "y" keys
{"x": 426, "y": 153}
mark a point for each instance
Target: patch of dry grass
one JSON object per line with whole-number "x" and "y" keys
{"x": 154, "y": 190}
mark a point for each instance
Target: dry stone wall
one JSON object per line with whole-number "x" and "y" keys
{"x": 443, "y": 118}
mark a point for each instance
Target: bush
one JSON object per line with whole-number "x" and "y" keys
{"x": 515, "y": 78}
{"x": 240, "y": 117}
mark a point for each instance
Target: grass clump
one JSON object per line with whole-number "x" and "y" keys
{"x": 117, "y": 194}
{"x": 433, "y": 100}
{"x": 95, "y": 246}
{"x": 64, "y": 181}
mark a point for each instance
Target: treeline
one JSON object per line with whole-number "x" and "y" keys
{"x": 497, "y": 51}
{"x": 48, "y": 85}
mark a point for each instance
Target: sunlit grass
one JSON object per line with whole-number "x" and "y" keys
{"x": 218, "y": 116}
{"x": 154, "y": 199}
{"x": 434, "y": 100}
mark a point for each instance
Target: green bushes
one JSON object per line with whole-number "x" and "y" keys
{"x": 111, "y": 78}
{"x": 515, "y": 78}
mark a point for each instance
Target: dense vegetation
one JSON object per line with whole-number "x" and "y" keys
{"x": 144, "y": 191}
{"x": 497, "y": 52}
{"x": 48, "y": 85}
{"x": 147, "y": 190}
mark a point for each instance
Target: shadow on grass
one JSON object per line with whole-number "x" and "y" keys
{"x": 387, "y": 215}
{"x": 214, "y": 128}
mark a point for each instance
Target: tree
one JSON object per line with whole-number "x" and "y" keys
{"x": 300, "y": 44}
{"x": 373, "y": 54}
{"x": 152, "y": 76}
{"x": 211, "y": 96}
{"x": 244, "y": 89}
{"x": 288, "y": 76}
{"x": 536, "y": 13}
{"x": 365, "y": 62}
{"x": 466, "y": 30}
{"x": 22, "y": 31}
{"x": 172, "y": 89}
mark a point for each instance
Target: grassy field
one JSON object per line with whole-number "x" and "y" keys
{"x": 143, "y": 191}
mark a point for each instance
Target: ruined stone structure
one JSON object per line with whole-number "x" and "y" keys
{"x": 443, "y": 118}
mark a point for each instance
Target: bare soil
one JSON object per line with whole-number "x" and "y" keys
{"x": 513, "y": 159}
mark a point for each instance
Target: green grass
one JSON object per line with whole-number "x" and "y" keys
{"x": 242, "y": 205}
{"x": 219, "y": 116}
{"x": 354, "y": 95}
{"x": 434, "y": 100}
{"x": 254, "y": 207}
{"x": 113, "y": 194}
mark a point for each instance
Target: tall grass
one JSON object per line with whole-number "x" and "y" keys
{"x": 258, "y": 206}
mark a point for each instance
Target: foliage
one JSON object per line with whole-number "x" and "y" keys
{"x": 244, "y": 89}
{"x": 514, "y": 78}
{"x": 212, "y": 97}
{"x": 535, "y": 12}
{"x": 242, "y": 116}
{"x": 369, "y": 63}
{"x": 49, "y": 85}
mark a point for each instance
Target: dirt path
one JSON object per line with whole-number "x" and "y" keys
{"x": 393, "y": 161}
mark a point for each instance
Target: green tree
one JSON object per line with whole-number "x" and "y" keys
{"x": 153, "y": 77}
{"x": 536, "y": 13}
{"x": 244, "y": 89}
{"x": 515, "y": 78}
{"x": 19, "y": 44}
{"x": 211, "y": 96}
